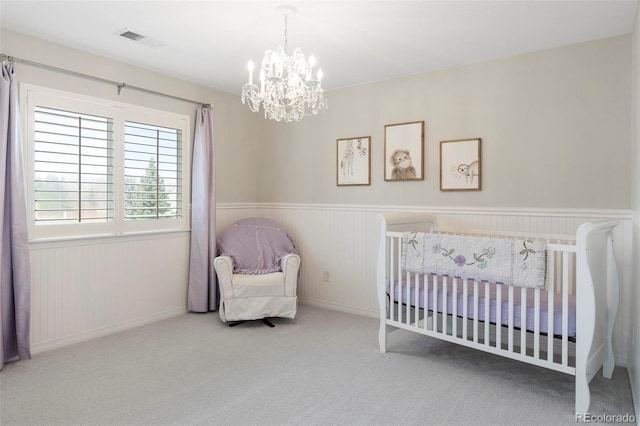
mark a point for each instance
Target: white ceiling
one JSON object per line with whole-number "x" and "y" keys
{"x": 355, "y": 42}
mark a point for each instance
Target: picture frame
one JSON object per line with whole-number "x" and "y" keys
{"x": 353, "y": 161}
{"x": 460, "y": 165}
{"x": 404, "y": 151}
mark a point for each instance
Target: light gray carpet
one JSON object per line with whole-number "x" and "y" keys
{"x": 323, "y": 368}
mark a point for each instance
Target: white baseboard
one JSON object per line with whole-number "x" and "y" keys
{"x": 339, "y": 307}
{"x": 621, "y": 361}
{"x": 99, "y": 332}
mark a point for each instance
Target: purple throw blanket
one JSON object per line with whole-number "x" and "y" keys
{"x": 256, "y": 245}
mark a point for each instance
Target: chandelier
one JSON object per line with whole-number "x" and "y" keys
{"x": 288, "y": 90}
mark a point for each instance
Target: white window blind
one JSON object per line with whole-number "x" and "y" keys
{"x": 73, "y": 165}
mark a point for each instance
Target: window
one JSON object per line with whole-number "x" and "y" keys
{"x": 98, "y": 167}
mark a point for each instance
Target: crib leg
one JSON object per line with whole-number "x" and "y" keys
{"x": 609, "y": 361}
{"x": 382, "y": 336}
{"x": 583, "y": 397}
{"x": 613, "y": 296}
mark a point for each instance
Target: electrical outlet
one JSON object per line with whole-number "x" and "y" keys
{"x": 326, "y": 277}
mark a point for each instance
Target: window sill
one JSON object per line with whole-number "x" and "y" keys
{"x": 106, "y": 238}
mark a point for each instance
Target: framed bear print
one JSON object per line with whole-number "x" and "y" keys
{"x": 460, "y": 166}
{"x": 404, "y": 151}
{"x": 353, "y": 161}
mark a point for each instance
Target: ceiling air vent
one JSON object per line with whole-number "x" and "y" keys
{"x": 132, "y": 36}
{"x": 139, "y": 38}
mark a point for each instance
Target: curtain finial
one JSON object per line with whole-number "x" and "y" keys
{"x": 6, "y": 59}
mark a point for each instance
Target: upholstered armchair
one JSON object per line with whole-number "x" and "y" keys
{"x": 257, "y": 269}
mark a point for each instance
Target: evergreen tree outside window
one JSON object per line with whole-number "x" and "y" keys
{"x": 152, "y": 172}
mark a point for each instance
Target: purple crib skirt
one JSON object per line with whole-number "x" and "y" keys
{"x": 504, "y": 308}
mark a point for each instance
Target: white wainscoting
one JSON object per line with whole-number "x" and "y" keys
{"x": 81, "y": 289}
{"x": 343, "y": 241}
{"x": 91, "y": 287}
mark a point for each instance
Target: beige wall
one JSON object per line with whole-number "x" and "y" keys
{"x": 554, "y": 126}
{"x": 237, "y": 130}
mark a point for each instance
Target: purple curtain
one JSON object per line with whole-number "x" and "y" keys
{"x": 202, "y": 295}
{"x": 15, "y": 303}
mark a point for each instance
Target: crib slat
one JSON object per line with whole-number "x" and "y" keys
{"x": 465, "y": 310}
{"x": 551, "y": 291}
{"x": 536, "y": 323}
{"x": 425, "y": 301}
{"x": 565, "y": 308}
{"x": 407, "y": 307}
{"x": 398, "y": 281}
{"x": 401, "y": 283}
{"x": 454, "y": 306}
{"x": 418, "y": 279}
{"x": 475, "y": 311}
{"x": 444, "y": 304}
{"x": 434, "y": 302}
{"x": 487, "y": 315}
{"x": 498, "y": 316}
{"x": 510, "y": 319}
{"x": 523, "y": 320}
{"x": 393, "y": 282}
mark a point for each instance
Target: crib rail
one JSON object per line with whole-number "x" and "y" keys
{"x": 470, "y": 312}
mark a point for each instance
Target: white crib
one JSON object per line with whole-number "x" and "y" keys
{"x": 566, "y": 326}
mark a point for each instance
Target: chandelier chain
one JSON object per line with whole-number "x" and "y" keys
{"x": 286, "y": 33}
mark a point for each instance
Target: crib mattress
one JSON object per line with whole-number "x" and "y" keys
{"x": 409, "y": 297}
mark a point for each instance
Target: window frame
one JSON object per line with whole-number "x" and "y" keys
{"x": 32, "y": 96}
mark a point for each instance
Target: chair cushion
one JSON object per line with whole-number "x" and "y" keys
{"x": 256, "y": 245}
{"x": 265, "y": 285}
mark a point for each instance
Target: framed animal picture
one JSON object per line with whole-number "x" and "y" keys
{"x": 404, "y": 151}
{"x": 353, "y": 161}
{"x": 460, "y": 165}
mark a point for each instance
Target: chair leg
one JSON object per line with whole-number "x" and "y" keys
{"x": 264, "y": 320}
{"x": 269, "y": 323}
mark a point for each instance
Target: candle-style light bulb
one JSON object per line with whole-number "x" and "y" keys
{"x": 312, "y": 63}
{"x": 250, "y": 68}
{"x": 320, "y": 74}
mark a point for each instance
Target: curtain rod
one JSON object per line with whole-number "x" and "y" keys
{"x": 120, "y": 86}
